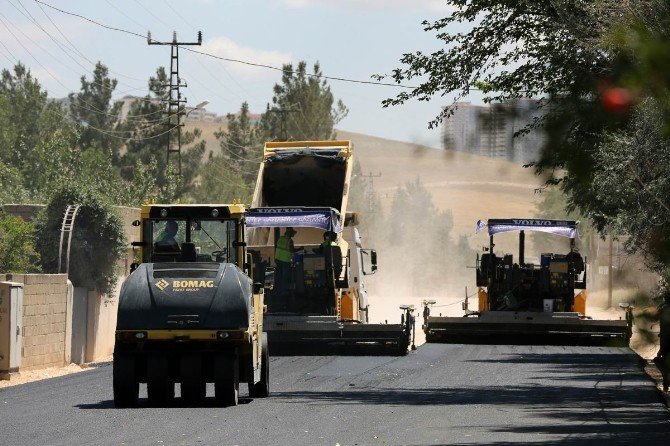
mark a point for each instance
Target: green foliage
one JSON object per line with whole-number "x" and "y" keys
{"x": 632, "y": 184}
{"x": 311, "y": 110}
{"x": 147, "y": 124}
{"x": 419, "y": 234}
{"x": 98, "y": 239}
{"x": 17, "y": 246}
{"x": 12, "y": 190}
{"x": 570, "y": 53}
{"x": 92, "y": 109}
{"x": 26, "y": 116}
{"x": 219, "y": 183}
{"x": 241, "y": 145}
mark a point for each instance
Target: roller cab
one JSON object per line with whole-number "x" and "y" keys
{"x": 190, "y": 313}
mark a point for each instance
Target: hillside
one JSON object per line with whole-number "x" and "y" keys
{"x": 472, "y": 186}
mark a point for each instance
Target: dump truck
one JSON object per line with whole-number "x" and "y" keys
{"x": 189, "y": 312}
{"x": 321, "y": 302}
{"x": 522, "y": 302}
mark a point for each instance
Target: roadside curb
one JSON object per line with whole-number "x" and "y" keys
{"x": 655, "y": 374}
{"x": 95, "y": 364}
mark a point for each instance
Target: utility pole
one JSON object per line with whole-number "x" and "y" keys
{"x": 283, "y": 113}
{"x": 175, "y": 101}
{"x": 371, "y": 177}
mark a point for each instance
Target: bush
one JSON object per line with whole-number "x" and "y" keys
{"x": 98, "y": 240}
{"x": 17, "y": 246}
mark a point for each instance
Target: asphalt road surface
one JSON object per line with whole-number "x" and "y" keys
{"x": 440, "y": 394}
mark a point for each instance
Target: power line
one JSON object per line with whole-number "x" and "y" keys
{"x": 61, "y": 114}
{"x": 152, "y": 14}
{"x": 90, "y": 108}
{"x": 90, "y": 20}
{"x": 227, "y": 59}
{"x": 66, "y": 50}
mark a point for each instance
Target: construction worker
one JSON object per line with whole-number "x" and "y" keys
{"x": 166, "y": 241}
{"x": 329, "y": 238}
{"x": 663, "y": 358}
{"x": 284, "y": 250}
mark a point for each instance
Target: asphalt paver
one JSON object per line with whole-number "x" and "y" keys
{"x": 437, "y": 395}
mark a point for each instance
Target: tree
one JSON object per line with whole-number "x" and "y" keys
{"x": 98, "y": 240}
{"x": 554, "y": 50}
{"x": 241, "y": 145}
{"x": 632, "y": 185}
{"x": 219, "y": 183}
{"x": 572, "y": 54}
{"x": 95, "y": 112}
{"x": 364, "y": 199}
{"x": 17, "y": 245}
{"x": 147, "y": 129}
{"x": 310, "y": 108}
{"x": 26, "y": 115}
{"x": 12, "y": 190}
{"x": 419, "y": 236}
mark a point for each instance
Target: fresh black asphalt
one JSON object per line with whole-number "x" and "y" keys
{"x": 440, "y": 394}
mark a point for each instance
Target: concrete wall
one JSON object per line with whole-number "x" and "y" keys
{"x": 47, "y": 310}
{"x": 45, "y": 319}
{"x": 25, "y": 211}
{"x": 102, "y": 312}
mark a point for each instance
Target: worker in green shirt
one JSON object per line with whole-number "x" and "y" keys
{"x": 284, "y": 250}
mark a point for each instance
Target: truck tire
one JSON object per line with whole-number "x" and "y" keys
{"x": 226, "y": 379}
{"x": 193, "y": 386}
{"x": 160, "y": 388}
{"x": 262, "y": 388}
{"x": 124, "y": 382}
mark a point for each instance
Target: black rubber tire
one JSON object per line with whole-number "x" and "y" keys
{"x": 226, "y": 379}
{"x": 262, "y": 388}
{"x": 160, "y": 388}
{"x": 124, "y": 382}
{"x": 193, "y": 386}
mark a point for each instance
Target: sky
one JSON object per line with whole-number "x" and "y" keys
{"x": 352, "y": 39}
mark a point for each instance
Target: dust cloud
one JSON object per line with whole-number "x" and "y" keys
{"x": 419, "y": 212}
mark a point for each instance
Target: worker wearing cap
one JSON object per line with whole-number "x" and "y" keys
{"x": 166, "y": 241}
{"x": 329, "y": 238}
{"x": 327, "y": 248}
{"x": 284, "y": 250}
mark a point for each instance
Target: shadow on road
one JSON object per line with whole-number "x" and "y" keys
{"x": 580, "y": 415}
{"x": 562, "y": 361}
{"x": 144, "y": 403}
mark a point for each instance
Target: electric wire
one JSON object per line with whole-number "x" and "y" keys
{"x": 167, "y": 26}
{"x": 66, "y": 50}
{"x": 120, "y": 11}
{"x": 91, "y": 108}
{"x": 63, "y": 115}
{"x": 228, "y": 59}
{"x": 57, "y": 28}
{"x": 203, "y": 65}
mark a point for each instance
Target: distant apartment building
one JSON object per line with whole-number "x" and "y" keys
{"x": 190, "y": 114}
{"x": 201, "y": 115}
{"x": 488, "y": 130}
